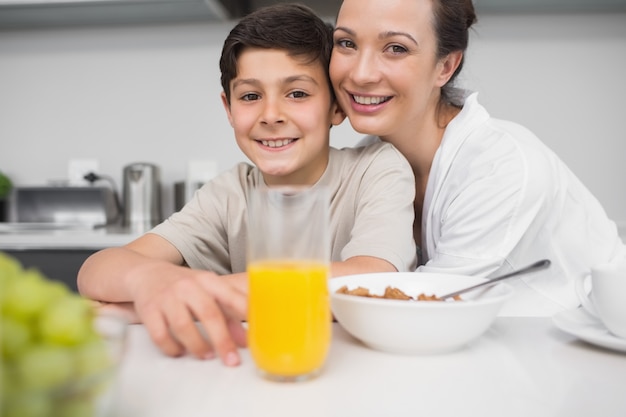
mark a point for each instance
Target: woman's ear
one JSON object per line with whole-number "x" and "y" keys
{"x": 337, "y": 115}
{"x": 448, "y": 66}
{"x": 226, "y": 105}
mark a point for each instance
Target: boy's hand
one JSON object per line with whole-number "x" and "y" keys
{"x": 125, "y": 310}
{"x": 170, "y": 302}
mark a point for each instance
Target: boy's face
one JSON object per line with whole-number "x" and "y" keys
{"x": 281, "y": 112}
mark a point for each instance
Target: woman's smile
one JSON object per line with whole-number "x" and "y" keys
{"x": 361, "y": 103}
{"x": 367, "y": 100}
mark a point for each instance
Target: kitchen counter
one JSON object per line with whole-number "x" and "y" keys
{"x": 520, "y": 367}
{"x": 59, "y": 252}
{"x": 79, "y": 238}
{"x": 64, "y": 238}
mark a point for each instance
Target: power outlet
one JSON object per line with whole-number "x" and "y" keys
{"x": 198, "y": 172}
{"x": 78, "y": 168}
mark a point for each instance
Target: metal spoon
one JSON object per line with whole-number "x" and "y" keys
{"x": 530, "y": 268}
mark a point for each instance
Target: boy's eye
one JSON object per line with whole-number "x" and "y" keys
{"x": 345, "y": 43}
{"x": 298, "y": 94}
{"x": 250, "y": 97}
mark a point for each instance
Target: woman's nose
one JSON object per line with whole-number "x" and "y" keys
{"x": 365, "y": 69}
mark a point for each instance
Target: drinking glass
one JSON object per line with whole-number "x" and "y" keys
{"x": 288, "y": 265}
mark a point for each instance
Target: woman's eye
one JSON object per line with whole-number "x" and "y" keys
{"x": 397, "y": 49}
{"x": 345, "y": 43}
{"x": 250, "y": 97}
{"x": 298, "y": 94}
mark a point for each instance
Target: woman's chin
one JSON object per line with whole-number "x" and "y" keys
{"x": 367, "y": 127}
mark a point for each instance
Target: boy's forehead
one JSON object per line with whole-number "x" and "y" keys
{"x": 300, "y": 58}
{"x": 250, "y": 58}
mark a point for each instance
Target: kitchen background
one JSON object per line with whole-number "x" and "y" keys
{"x": 145, "y": 91}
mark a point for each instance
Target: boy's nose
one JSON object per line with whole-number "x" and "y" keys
{"x": 272, "y": 113}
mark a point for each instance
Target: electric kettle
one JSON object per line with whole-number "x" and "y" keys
{"x": 142, "y": 196}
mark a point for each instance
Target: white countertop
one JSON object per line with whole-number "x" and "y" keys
{"x": 86, "y": 238}
{"x": 79, "y": 238}
{"x": 521, "y": 367}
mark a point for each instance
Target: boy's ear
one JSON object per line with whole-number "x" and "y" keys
{"x": 227, "y": 108}
{"x": 337, "y": 114}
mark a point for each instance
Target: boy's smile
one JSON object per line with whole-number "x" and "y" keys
{"x": 281, "y": 111}
{"x": 277, "y": 143}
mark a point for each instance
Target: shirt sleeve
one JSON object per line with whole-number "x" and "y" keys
{"x": 383, "y": 218}
{"x": 200, "y": 230}
{"x": 488, "y": 202}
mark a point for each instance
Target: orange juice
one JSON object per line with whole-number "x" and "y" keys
{"x": 289, "y": 321}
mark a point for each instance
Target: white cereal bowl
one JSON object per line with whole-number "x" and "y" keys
{"x": 416, "y": 327}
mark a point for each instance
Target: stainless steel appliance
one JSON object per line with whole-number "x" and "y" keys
{"x": 183, "y": 192}
{"x": 61, "y": 207}
{"x": 142, "y": 196}
{"x": 68, "y": 219}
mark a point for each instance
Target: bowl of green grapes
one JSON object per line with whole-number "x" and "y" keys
{"x": 59, "y": 356}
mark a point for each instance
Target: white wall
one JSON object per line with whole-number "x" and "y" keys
{"x": 151, "y": 93}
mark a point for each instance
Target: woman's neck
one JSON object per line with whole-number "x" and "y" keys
{"x": 419, "y": 141}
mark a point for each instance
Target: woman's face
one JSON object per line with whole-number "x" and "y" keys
{"x": 384, "y": 67}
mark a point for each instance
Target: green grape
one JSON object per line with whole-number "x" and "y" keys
{"x": 56, "y": 290}
{"x": 54, "y": 363}
{"x": 27, "y": 404}
{"x": 75, "y": 406}
{"x": 10, "y": 268}
{"x": 27, "y": 296}
{"x": 67, "y": 321}
{"x": 92, "y": 358}
{"x": 7, "y": 383}
{"x": 14, "y": 337}
{"x": 43, "y": 367}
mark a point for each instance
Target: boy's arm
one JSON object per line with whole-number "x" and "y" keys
{"x": 107, "y": 274}
{"x": 168, "y": 297}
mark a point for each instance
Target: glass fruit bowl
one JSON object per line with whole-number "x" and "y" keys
{"x": 59, "y": 355}
{"x": 59, "y": 381}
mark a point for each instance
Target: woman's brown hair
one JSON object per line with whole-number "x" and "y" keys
{"x": 452, "y": 21}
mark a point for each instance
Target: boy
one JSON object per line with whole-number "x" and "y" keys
{"x": 279, "y": 101}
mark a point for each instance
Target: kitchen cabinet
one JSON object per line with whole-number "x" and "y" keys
{"x": 56, "y": 264}
{"x": 549, "y": 6}
{"x": 45, "y": 13}
{"x": 59, "y": 254}
{"x": 37, "y": 13}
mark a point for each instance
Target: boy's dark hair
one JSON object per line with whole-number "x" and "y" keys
{"x": 290, "y": 27}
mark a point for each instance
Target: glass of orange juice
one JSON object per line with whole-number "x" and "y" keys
{"x": 288, "y": 265}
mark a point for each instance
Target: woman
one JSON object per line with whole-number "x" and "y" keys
{"x": 490, "y": 196}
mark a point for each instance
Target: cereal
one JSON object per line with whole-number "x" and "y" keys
{"x": 391, "y": 293}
